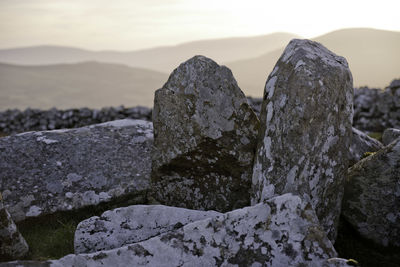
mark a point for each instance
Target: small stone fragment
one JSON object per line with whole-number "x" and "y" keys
{"x": 361, "y": 144}
{"x": 389, "y": 135}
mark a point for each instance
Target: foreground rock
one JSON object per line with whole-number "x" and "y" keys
{"x": 12, "y": 244}
{"x": 204, "y": 139}
{"x": 306, "y": 120}
{"x": 389, "y": 135}
{"x": 45, "y": 172}
{"x": 283, "y": 231}
{"x": 122, "y": 226}
{"x": 372, "y": 196}
{"x": 360, "y": 144}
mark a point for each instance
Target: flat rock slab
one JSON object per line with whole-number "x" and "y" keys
{"x": 12, "y": 244}
{"x": 283, "y": 231}
{"x": 371, "y": 202}
{"x": 122, "y": 226}
{"x": 45, "y": 172}
{"x": 389, "y": 135}
{"x": 360, "y": 144}
{"x": 305, "y": 135}
{"x": 204, "y": 139}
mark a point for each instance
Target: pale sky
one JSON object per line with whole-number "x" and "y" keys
{"x": 137, "y": 24}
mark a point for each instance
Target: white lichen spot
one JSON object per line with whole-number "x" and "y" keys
{"x": 270, "y": 111}
{"x": 45, "y": 140}
{"x": 270, "y": 86}
{"x": 34, "y": 211}
{"x": 321, "y": 83}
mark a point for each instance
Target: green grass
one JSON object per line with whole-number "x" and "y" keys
{"x": 376, "y": 135}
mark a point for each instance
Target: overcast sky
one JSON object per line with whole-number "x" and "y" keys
{"x": 136, "y": 24}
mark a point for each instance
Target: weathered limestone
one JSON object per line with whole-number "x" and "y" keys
{"x": 389, "y": 135}
{"x": 44, "y": 172}
{"x": 360, "y": 144}
{"x": 204, "y": 138}
{"x": 123, "y": 226}
{"x": 283, "y": 231}
{"x": 371, "y": 201}
{"x": 306, "y": 120}
{"x": 12, "y": 244}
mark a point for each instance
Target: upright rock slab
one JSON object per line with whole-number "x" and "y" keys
{"x": 283, "y": 231}
{"x": 45, "y": 172}
{"x": 371, "y": 201}
{"x": 306, "y": 120}
{"x": 204, "y": 139}
{"x": 12, "y": 244}
{"x": 123, "y": 226}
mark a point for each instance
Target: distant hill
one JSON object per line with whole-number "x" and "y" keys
{"x": 164, "y": 59}
{"x": 90, "y": 84}
{"x": 373, "y": 56}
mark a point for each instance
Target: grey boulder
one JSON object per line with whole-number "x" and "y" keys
{"x": 283, "y": 231}
{"x": 360, "y": 144}
{"x": 204, "y": 139}
{"x": 45, "y": 172}
{"x": 12, "y": 244}
{"x": 389, "y": 135}
{"x": 122, "y": 226}
{"x": 306, "y": 125}
{"x": 371, "y": 202}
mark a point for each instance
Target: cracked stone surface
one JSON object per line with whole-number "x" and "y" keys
{"x": 204, "y": 137}
{"x": 122, "y": 226}
{"x": 360, "y": 144}
{"x": 12, "y": 244}
{"x": 371, "y": 202}
{"x": 49, "y": 171}
{"x": 389, "y": 135}
{"x": 282, "y": 231}
{"x": 306, "y": 127}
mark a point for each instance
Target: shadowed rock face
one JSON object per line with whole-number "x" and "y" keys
{"x": 389, "y": 135}
{"x": 12, "y": 244}
{"x": 283, "y": 231}
{"x": 204, "y": 139}
{"x": 360, "y": 144}
{"x": 45, "y": 172}
{"x": 305, "y": 134}
{"x": 123, "y": 226}
{"x": 371, "y": 201}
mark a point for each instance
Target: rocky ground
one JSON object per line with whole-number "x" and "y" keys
{"x": 209, "y": 182}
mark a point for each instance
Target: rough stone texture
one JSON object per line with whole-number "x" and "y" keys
{"x": 306, "y": 120}
{"x": 44, "y": 172}
{"x": 389, "y": 135}
{"x": 371, "y": 201}
{"x": 377, "y": 109}
{"x": 122, "y": 226}
{"x": 360, "y": 144}
{"x": 204, "y": 138}
{"x": 339, "y": 262}
{"x": 12, "y": 244}
{"x": 283, "y": 231}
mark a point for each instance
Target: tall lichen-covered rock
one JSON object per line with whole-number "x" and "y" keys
{"x": 49, "y": 171}
{"x": 12, "y": 244}
{"x": 371, "y": 201}
{"x": 305, "y": 133}
{"x": 283, "y": 231}
{"x": 204, "y": 139}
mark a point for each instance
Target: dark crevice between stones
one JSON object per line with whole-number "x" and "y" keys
{"x": 52, "y": 236}
{"x": 350, "y": 245}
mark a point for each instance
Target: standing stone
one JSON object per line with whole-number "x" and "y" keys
{"x": 305, "y": 134}
{"x": 360, "y": 144}
{"x": 371, "y": 201}
{"x": 389, "y": 135}
{"x": 204, "y": 139}
{"x": 45, "y": 172}
{"x": 122, "y": 226}
{"x": 12, "y": 244}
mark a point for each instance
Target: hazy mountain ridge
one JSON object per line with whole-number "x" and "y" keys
{"x": 89, "y": 84}
{"x": 163, "y": 59}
